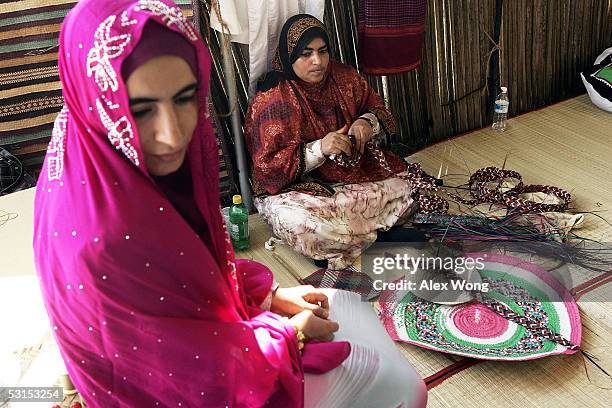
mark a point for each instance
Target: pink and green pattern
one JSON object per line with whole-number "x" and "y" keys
{"x": 474, "y": 330}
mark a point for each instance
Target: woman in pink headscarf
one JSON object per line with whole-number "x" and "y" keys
{"x": 147, "y": 303}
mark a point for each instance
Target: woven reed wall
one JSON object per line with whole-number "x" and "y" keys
{"x": 544, "y": 45}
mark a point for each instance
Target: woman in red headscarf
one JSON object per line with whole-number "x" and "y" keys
{"x": 313, "y": 131}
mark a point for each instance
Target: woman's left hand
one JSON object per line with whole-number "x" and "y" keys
{"x": 290, "y": 301}
{"x": 362, "y": 131}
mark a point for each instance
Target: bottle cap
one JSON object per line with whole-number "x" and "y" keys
{"x": 504, "y": 89}
{"x": 237, "y": 199}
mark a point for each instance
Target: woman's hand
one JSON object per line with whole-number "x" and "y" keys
{"x": 291, "y": 301}
{"x": 313, "y": 327}
{"x": 362, "y": 131}
{"x": 336, "y": 142}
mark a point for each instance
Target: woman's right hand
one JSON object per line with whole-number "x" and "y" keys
{"x": 337, "y": 142}
{"x": 314, "y": 327}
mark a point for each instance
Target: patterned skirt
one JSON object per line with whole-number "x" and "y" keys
{"x": 337, "y": 228}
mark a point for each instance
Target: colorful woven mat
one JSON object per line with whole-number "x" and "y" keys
{"x": 346, "y": 279}
{"x": 473, "y": 330}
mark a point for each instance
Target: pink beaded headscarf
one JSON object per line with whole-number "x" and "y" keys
{"x": 146, "y": 314}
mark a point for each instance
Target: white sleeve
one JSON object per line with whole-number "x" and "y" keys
{"x": 313, "y": 156}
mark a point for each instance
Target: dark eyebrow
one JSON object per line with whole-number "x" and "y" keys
{"x": 190, "y": 87}
{"x": 312, "y": 49}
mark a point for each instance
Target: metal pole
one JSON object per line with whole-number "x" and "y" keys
{"x": 243, "y": 169}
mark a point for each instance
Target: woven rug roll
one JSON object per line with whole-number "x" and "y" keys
{"x": 391, "y": 35}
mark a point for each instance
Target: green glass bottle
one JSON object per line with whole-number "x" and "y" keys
{"x": 239, "y": 224}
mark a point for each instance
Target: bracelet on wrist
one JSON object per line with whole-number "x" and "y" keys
{"x": 301, "y": 338}
{"x": 299, "y": 335}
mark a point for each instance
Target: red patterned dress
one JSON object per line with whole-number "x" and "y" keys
{"x": 333, "y": 211}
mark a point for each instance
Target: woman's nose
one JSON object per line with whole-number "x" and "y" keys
{"x": 169, "y": 130}
{"x": 316, "y": 58}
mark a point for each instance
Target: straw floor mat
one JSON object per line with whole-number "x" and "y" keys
{"x": 568, "y": 145}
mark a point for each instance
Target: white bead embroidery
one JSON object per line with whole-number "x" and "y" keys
{"x": 57, "y": 146}
{"x": 234, "y": 275}
{"x": 206, "y": 108}
{"x": 110, "y": 105}
{"x": 169, "y": 15}
{"x": 125, "y": 21}
{"x": 106, "y": 47}
{"x": 119, "y": 133}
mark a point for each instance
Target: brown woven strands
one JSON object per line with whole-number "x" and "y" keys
{"x": 481, "y": 192}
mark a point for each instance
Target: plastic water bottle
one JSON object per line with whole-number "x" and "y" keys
{"x": 500, "y": 117}
{"x": 239, "y": 224}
